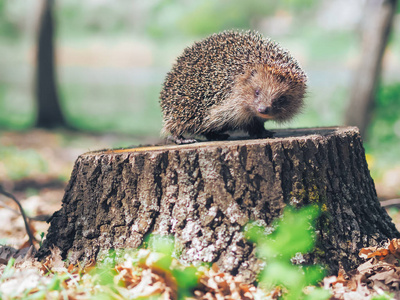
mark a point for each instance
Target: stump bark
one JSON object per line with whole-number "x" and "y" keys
{"x": 203, "y": 194}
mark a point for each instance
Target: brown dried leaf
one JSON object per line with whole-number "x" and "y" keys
{"x": 372, "y": 252}
{"x": 391, "y": 248}
{"x": 214, "y": 284}
{"x": 152, "y": 285}
{"x": 126, "y": 275}
{"x": 70, "y": 268}
{"x": 56, "y": 263}
{"x": 365, "y": 252}
{"x": 26, "y": 244}
{"x": 394, "y": 247}
{"x": 90, "y": 265}
{"x": 382, "y": 275}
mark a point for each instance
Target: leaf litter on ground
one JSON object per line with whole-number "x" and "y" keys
{"x": 139, "y": 276}
{"x": 379, "y": 275}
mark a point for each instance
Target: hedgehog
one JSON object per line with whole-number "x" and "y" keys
{"x": 230, "y": 81}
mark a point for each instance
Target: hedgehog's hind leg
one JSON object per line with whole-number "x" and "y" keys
{"x": 216, "y": 136}
{"x": 179, "y": 139}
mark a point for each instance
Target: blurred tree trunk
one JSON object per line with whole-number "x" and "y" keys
{"x": 49, "y": 110}
{"x": 377, "y": 23}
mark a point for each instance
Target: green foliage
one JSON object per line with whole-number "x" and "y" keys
{"x": 294, "y": 233}
{"x": 21, "y": 163}
{"x": 41, "y": 239}
{"x": 213, "y": 16}
{"x": 298, "y": 4}
{"x": 208, "y": 16}
{"x": 382, "y": 297}
{"x": 384, "y": 131}
{"x": 385, "y": 127}
{"x": 80, "y": 19}
{"x": 340, "y": 46}
{"x": 16, "y": 111}
{"x": 106, "y": 108}
{"x": 166, "y": 18}
{"x": 55, "y": 283}
{"x": 205, "y": 17}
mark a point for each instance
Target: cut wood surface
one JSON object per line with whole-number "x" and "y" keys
{"x": 205, "y": 193}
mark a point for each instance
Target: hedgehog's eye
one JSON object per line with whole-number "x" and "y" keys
{"x": 257, "y": 92}
{"x": 253, "y": 72}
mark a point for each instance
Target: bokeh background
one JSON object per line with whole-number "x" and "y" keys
{"x": 111, "y": 58}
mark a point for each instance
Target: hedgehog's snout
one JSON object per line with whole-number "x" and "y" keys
{"x": 265, "y": 111}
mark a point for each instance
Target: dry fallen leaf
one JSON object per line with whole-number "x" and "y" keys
{"x": 380, "y": 273}
{"x": 216, "y": 285}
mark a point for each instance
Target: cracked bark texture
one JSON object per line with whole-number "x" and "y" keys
{"x": 204, "y": 193}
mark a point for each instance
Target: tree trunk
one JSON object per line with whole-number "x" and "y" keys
{"x": 378, "y": 19}
{"x": 205, "y": 193}
{"x": 49, "y": 110}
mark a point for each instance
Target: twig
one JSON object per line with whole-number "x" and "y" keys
{"x": 41, "y": 218}
{"x": 390, "y": 202}
{"x": 28, "y": 230}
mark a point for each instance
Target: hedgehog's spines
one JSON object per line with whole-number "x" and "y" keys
{"x": 205, "y": 78}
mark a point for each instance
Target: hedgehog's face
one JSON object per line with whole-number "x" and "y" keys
{"x": 271, "y": 96}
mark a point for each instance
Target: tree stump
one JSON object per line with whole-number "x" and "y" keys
{"x": 203, "y": 194}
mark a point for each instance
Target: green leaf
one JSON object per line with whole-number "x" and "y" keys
{"x": 55, "y": 283}
{"x": 383, "y": 297}
{"x": 186, "y": 278}
{"x": 104, "y": 275}
{"x": 255, "y": 233}
{"x": 313, "y": 274}
{"x": 109, "y": 260}
{"x": 294, "y": 233}
{"x": 164, "y": 262}
{"x": 8, "y": 270}
{"x": 283, "y": 273}
{"x": 162, "y": 244}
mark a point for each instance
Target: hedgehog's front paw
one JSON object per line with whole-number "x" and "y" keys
{"x": 262, "y": 134}
{"x": 266, "y": 134}
{"x": 180, "y": 140}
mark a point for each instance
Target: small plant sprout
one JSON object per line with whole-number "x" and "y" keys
{"x": 294, "y": 235}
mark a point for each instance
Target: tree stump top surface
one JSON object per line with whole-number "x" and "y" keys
{"x": 280, "y": 134}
